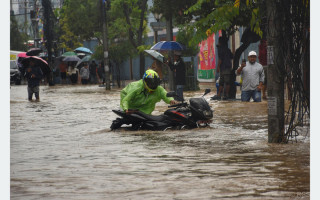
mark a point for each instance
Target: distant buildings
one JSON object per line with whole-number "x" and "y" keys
{"x": 28, "y": 14}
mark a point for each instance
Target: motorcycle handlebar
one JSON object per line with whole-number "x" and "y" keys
{"x": 178, "y": 105}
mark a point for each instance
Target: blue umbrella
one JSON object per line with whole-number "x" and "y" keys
{"x": 168, "y": 45}
{"x": 83, "y": 50}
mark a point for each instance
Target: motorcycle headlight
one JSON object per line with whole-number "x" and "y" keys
{"x": 207, "y": 113}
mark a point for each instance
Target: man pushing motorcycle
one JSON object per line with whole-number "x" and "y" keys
{"x": 143, "y": 95}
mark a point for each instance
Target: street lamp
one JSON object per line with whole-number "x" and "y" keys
{"x": 155, "y": 25}
{"x": 157, "y": 16}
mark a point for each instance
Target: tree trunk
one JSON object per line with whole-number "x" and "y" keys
{"x": 139, "y": 34}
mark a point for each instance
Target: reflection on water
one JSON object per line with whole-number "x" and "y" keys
{"x": 61, "y": 148}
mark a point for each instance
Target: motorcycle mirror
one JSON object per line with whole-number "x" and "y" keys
{"x": 208, "y": 90}
{"x": 171, "y": 94}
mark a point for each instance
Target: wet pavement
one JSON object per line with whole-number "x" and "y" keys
{"x": 62, "y": 148}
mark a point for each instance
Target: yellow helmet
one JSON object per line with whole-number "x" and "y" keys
{"x": 151, "y": 80}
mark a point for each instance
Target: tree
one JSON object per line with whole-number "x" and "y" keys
{"x": 126, "y": 26}
{"x": 79, "y": 21}
{"x": 173, "y": 12}
{"x": 17, "y": 39}
{"x": 287, "y": 19}
{"x": 68, "y": 40}
{"x": 227, "y": 16}
{"x": 134, "y": 12}
{"x": 289, "y": 47}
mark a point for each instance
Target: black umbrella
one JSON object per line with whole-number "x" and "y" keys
{"x": 34, "y": 52}
{"x": 39, "y": 62}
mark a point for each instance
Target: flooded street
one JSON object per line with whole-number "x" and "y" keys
{"x": 62, "y": 148}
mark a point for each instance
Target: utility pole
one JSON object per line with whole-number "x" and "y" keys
{"x": 275, "y": 78}
{"x": 25, "y": 16}
{"x": 105, "y": 43}
{"x": 48, "y": 34}
{"x": 34, "y": 20}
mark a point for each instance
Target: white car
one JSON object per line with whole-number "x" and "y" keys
{"x": 15, "y": 74}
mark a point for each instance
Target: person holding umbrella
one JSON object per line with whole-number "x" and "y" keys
{"x": 73, "y": 73}
{"x": 158, "y": 60}
{"x": 157, "y": 67}
{"x": 34, "y": 75}
{"x": 63, "y": 71}
{"x": 179, "y": 69}
{"x": 93, "y": 72}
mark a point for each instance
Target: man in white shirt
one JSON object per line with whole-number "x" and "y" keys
{"x": 85, "y": 73}
{"x": 252, "y": 78}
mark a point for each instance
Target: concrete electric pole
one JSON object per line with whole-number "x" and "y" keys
{"x": 170, "y": 38}
{"x": 275, "y": 77}
{"x": 105, "y": 43}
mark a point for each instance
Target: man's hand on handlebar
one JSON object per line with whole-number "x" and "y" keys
{"x": 172, "y": 102}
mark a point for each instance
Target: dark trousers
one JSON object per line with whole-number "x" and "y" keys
{"x": 32, "y": 90}
{"x": 84, "y": 81}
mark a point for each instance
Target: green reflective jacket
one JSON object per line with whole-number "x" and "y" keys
{"x": 134, "y": 96}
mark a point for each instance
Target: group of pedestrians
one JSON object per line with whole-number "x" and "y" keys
{"x": 251, "y": 72}
{"x": 92, "y": 73}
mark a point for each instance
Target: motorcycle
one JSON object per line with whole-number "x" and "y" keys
{"x": 196, "y": 113}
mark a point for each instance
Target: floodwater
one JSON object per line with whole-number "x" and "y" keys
{"x": 62, "y": 148}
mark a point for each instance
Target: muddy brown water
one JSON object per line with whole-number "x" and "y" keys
{"x": 62, "y": 148}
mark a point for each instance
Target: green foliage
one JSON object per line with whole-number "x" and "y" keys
{"x": 175, "y": 9}
{"x": 196, "y": 7}
{"x": 78, "y": 22}
{"x": 120, "y": 51}
{"x": 82, "y": 20}
{"x": 98, "y": 53}
{"x": 255, "y": 22}
{"x": 124, "y": 32}
{"x": 17, "y": 39}
{"x": 82, "y": 17}
{"x": 141, "y": 48}
{"x": 130, "y": 18}
{"x": 226, "y": 15}
{"x": 184, "y": 36}
{"x": 68, "y": 40}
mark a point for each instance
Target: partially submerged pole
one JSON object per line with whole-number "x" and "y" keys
{"x": 105, "y": 44}
{"x": 275, "y": 77}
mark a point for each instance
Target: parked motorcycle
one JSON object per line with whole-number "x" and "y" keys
{"x": 183, "y": 115}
